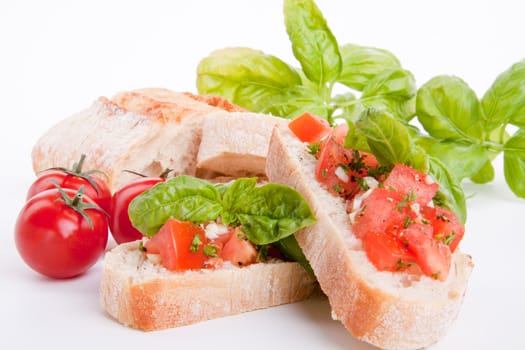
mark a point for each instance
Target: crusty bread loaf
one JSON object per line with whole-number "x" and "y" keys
{"x": 391, "y": 310}
{"x": 145, "y": 130}
{"x": 144, "y": 295}
{"x": 236, "y": 144}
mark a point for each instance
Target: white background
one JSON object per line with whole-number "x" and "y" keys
{"x": 57, "y": 57}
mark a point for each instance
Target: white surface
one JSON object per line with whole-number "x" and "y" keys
{"x": 56, "y": 57}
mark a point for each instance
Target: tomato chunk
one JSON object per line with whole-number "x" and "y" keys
{"x": 179, "y": 244}
{"x": 411, "y": 182}
{"x": 309, "y": 128}
{"x": 239, "y": 251}
{"x": 387, "y": 252}
{"x": 340, "y": 169}
{"x": 382, "y": 211}
{"x": 433, "y": 257}
{"x": 447, "y": 227}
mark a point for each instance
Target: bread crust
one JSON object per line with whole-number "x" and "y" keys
{"x": 391, "y": 310}
{"x": 145, "y": 130}
{"x": 146, "y": 296}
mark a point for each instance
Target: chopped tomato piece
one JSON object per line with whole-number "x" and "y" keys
{"x": 309, "y": 128}
{"x": 387, "y": 252}
{"x": 433, "y": 257}
{"x": 238, "y": 250}
{"x": 383, "y": 210}
{"x": 179, "y": 244}
{"x": 412, "y": 183}
{"x": 340, "y": 169}
{"x": 447, "y": 227}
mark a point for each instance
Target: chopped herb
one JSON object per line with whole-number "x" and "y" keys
{"x": 337, "y": 188}
{"x": 400, "y": 265}
{"x": 442, "y": 217}
{"x": 211, "y": 250}
{"x": 425, "y": 221}
{"x": 410, "y": 197}
{"x": 407, "y": 221}
{"x": 435, "y": 275}
{"x": 314, "y": 148}
{"x": 362, "y": 183}
{"x": 446, "y": 239}
{"x": 195, "y": 243}
{"x": 142, "y": 248}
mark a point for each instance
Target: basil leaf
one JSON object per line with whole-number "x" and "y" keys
{"x": 387, "y": 137}
{"x": 237, "y": 194}
{"x": 272, "y": 212}
{"x": 362, "y": 63}
{"x": 392, "y": 89}
{"x": 289, "y": 247}
{"x": 293, "y": 102}
{"x": 182, "y": 197}
{"x": 485, "y": 174}
{"x": 449, "y": 109}
{"x": 244, "y": 76}
{"x": 504, "y": 101}
{"x": 450, "y": 193}
{"x": 313, "y": 43}
{"x": 514, "y": 163}
{"x": 463, "y": 160}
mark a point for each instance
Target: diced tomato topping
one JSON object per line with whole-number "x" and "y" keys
{"x": 411, "y": 182}
{"x": 309, "y": 128}
{"x": 383, "y": 210}
{"x": 179, "y": 244}
{"x": 433, "y": 257}
{"x": 447, "y": 227}
{"x": 238, "y": 250}
{"x": 340, "y": 169}
{"x": 387, "y": 252}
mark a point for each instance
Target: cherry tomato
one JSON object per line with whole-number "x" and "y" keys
{"x": 121, "y": 228}
{"x": 95, "y": 187}
{"x": 61, "y": 233}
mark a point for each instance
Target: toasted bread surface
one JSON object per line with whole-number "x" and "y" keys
{"x": 144, "y": 295}
{"x": 391, "y": 310}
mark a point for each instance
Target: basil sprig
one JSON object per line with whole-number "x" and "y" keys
{"x": 264, "y": 83}
{"x": 268, "y": 213}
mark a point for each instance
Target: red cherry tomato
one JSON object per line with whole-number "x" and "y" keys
{"x": 121, "y": 228}
{"x": 61, "y": 233}
{"x": 95, "y": 187}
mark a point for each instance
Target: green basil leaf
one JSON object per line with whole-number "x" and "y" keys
{"x": 313, "y": 43}
{"x": 272, "y": 212}
{"x": 463, "y": 160}
{"x": 361, "y": 64}
{"x": 244, "y": 76}
{"x": 485, "y": 174}
{"x": 449, "y": 109}
{"x": 393, "y": 89}
{"x": 237, "y": 194}
{"x": 289, "y": 247}
{"x": 504, "y": 101}
{"x": 387, "y": 137}
{"x": 450, "y": 192}
{"x": 355, "y": 139}
{"x": 514, "y": 163}
{"x": 182, "y": 197}
{"x": 293, "y": 102}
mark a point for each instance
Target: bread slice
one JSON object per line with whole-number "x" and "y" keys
{"x": 145, "y": 130}
{"x": 235, "y": 144}
{"x": 391, "y": 310}
{"x": 144, "y": 295}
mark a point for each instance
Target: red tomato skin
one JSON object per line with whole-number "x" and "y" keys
{"x": 433, "y": 257}
{"x": 102, "y": 197}
{"x": 387, "y": 252}
{"x": 309, "y": 128}
{"x": 55, "y": 240}
{"x": 332, "y": 155}
{"x": 405, "y": 179}
{"x": 238, "y": 251}
{"x": 173, "y": 243}
{"x": 120, "y": 226}
{"x": 446, "y": 224}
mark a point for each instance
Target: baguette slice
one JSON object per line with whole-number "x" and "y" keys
{"x": 389, "y": 310}
{"x": 146, "y": 296}
{"x": 145, "y": 130}
{"x": 236, "y": 144}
